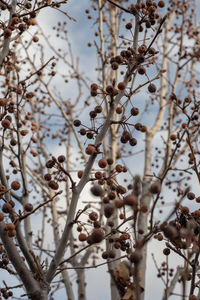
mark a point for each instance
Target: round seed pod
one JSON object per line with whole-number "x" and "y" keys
{"x": 28, "y": 207}
{"x": 121, "y": 86}
{"x": 82, "y": 237}
{"x": 190, "y": 196}
{"x": 61, "y": 158}
{"x": 108, "y": 210}
{"x": 10, "y": 226}
{"x": 11, "y": 233}
{"x": 166, "y": 251}
{"x": 128, "y": 26}
{"x": 47, "y": 177}
{"x": 5, "y": 123}
{"x": 105, "y": 255}
{"x": 152, "y": 88}
{"x": 131, "y": 200}
{"x": 50, "y": 163}
{"x": 155, "y": 188}
{"x": 97, "y": 235}
{"x": 15, "y": 185}
{"x": 94, "y": 86}
{"x": 77, "y": 123}
{"x": 6, "y": 208}
{"x": 53, "y": 185}
{"x": 161, "y": 4}
{"x": 102, "y": 163}
{"x": 93, "y": 216}
{"x": 97, "y": 190}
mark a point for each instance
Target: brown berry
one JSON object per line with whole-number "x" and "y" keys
{"x": 50, "y": 163}
{"x": 152, "y": 51}
{"x": 111, "y": 195}
{"x": 90, "y": 150}
{"x": 121, "y": 86}
{"x": 93, "y": 216}
{"x": 108, "y": 210}
{"x": 110, "y": 89}
{"x": 98, "y": 175}
{"x": 161, "y": 4}
{"x": 47, "y": 177}
{"x": 93, "y": 114}
{"x": 82, "y": 237}
{"x": 97, "y": 224}
{"x": 97, "y": 190}
{"x": 115, "y": 66}
{"x": 143, "y": 128}
{"x": 94, "y": 86}
{"x": 77, "y": 123}
{"x": 7, "y": 32}
{"x": 130, "y": 200}
{"x": 141, "y": 70}
{"x": 134, "y": 111}
{"x": 35, "y": 39}
{"x": 185, "y": 210}
{"x": 118, "y": 203}
{"x": 5, "y": 123}
{"x": 102, "y": 163}
{"x": 93, "y": 93}
{"x": 142, "y": 49}
{"x": 198, "y": 199}
{"x": 115, "y": 92}
{"x": 173, "y": 137}
{"x": 152, "y": 88}
{"x": 2, "y": 189}
{"x": 98, "y": 109}
{"x": 133, "y": 142}
{"x": 191, "y": 196}
{"x": 3, "y": 102}
{"x": 97, "y": 235}
{"x": 11, "y": 233}
{"x": 110, "y": 161}
{"x": 89, "y": 135}
{"x": 170, "y": 231}
{"x": 61, "y": 158}
{"x": 118, "y": 110}
{"x": 166, "y": 251}
{"x": 53, "y": 185}
{"x": 105, "y": 255}
{"x": 10, "y": 226}
{"x": 118, "y": 245}
{"x": 13, "y": 142}
{"x": 22, "y": 27}
{"x": 155, "y": 188}
{"x": 128, "y": 26}
{"x": 80, "y": 174}
{"x": 6, "y": 208}
{"x": 24, "y": 132}
{"x": 101, "y": 181}
{"x": 119, "y": 168}
{"x": 15, "y": 185}
{"x": 121, "y": 189}
{"x": 28, "y": 207}
{"x": 90, "y": 240}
